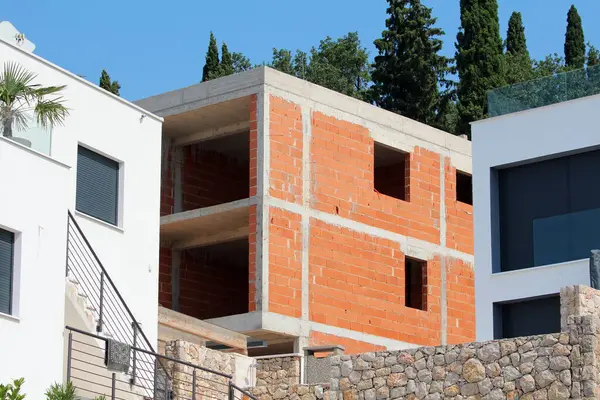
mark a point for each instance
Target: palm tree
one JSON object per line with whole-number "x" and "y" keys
{"x": 19, "y": 96}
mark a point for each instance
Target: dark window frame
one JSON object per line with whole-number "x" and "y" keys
{"x": 8, "y": 238}
{"x": 114, "y": 167}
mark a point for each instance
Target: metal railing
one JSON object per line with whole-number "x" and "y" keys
{"x": 166, "y": 378}
{"x": 113, "y": 317}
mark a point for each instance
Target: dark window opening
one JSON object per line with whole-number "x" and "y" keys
{"x": 391, "y": 172}
{"x": 7, "y": 241}
{"x": 464, "y": 188}
{"x": 527, "y": 317}
{"x": 97, "y": 186}
{"x": 415, "y": 281}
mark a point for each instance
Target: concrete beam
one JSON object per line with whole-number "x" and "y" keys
{"x": 205, "y": 240}
{"x": 172, "y": 322}
{"x": 212, "y": 134}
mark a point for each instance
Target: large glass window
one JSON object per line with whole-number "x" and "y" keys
{"x": 549, "y": 211}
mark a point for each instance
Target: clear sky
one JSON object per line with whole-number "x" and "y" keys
{"x": 154, "y": 46}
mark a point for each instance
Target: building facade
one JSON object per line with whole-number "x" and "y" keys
{"x": 300, "y": 216}
{"x": 536, "y": 214}
{"x": 94, "y": 167}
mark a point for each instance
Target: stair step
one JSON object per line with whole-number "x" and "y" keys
{"x": 81, "y": 294}
{"x": 91, "y": 308}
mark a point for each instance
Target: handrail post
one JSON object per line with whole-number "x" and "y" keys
{"x": 113, "y": 386}
{"x": 231, "y": 393}
{"x": 67, "y": 246}
{"x": 134, "y": 362}
{"x": 194, "y": 384}
{"x": 69, "y": 351}
{"x": 100, "y": 318}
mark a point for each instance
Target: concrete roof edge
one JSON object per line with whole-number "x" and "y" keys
{"x": 81, "y": 80}
{"x": 347, "y": 104}
{"x": 225, "y": 86}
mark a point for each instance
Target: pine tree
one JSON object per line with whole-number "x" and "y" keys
{"x": 107, "y": 84}
{"x": 574, "y": 40}
{"x": 211, "y": 66}
{"x": 408, "y": 69}
{"x": 226, "y": 65}
{"x": 479, "y": 59}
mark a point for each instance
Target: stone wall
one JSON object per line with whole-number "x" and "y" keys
{"x": 208, "y": 384}
{"x": 274, "y": 371}
{"x": 291, "y": 392}
{"x": 545, "y": 367}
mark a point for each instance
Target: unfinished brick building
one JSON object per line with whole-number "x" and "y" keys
{"x": 300, "y": 216}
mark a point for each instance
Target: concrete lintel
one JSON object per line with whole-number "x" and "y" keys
{"x": 222, "y": 236}
{"x": 210, "y": 134}
{"x": 239, "y": 323}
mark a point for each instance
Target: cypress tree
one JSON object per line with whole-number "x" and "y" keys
{"x": 226, "y": 66}
{"x": 516, "y": 43}
{"x": 518, "y": 62}
{"x": 408, "y": 69}
{"x": 107, "y": 84}
{"x": 211, "y": 66}
{"x": 479, "y": 59}
{"x": 574, "y": 40}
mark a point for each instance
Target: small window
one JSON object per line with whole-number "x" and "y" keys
{"x": 415, "y": 281}
{"x": 97, "y": 186}
{"x": 391, "y": 172}
{"x": 464, "y": 187}
{"x": 7, "y": 244}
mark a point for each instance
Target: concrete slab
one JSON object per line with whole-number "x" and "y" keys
{"x": 209, "y": 225}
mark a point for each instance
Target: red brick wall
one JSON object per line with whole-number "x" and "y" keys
{"x": 285, "y": 263}
{"x": 210, "y": 288}
{"x": 460, "y": 295}
{"x": 166, "y": 188}
{"x": 351, "y": 346}
{"x": 252, "y": 236}
{"x": 210, "y": 178}
{"x": 285, "y": 141}
{"x": 357, "y": 283}
{"x": 164, "y": 278}
{"x": 343, "y": 181}
{"x": 459, "y": 216}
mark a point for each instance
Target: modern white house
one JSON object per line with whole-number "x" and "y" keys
{"x": 86, "y": 194}
{"x": 537, "y": 203}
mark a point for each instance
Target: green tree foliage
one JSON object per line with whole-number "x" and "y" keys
{"x": 516, "y": 43}
{"x": 574, "y": 40}
{"x": 409, "y": 69}
{"x": 109, "y": 85}
{"x": 211, "y": 66}
{"x": 518, "y": 62}
{"x": 226, "y": 65}
{"x": 240, "y": 62}
{"x": 479, "y": 59}
{"x": 12, "y": 391}
{"x": 341, "y": 65}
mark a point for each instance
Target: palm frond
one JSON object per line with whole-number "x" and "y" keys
{"x": 49, "y": 113}
{"x": 16, "y": 84}
{"x": 44, "y": 91}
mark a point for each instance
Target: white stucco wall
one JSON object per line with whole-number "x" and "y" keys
{"x": 38, "y": 191}
{"x": 511, "y": 139}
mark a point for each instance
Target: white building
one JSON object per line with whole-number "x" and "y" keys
{"x": 537, "y": 205}
{"x": 103, "y": 166}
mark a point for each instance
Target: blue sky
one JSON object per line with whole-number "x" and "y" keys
{"x": 154, "y": 46}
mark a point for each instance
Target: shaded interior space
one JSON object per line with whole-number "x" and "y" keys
{"x": 527, "y": 317}
{"x": 275, "y": 344}
{"x": 213, "y": 280}
{"x": 464, "y": 187}
{"x": 216, "y": 171}
{"x": 546, "y": 212}
{"x": 206, "y": 156}
{"x": 415, "y": 283}
{"x": 391, "y": 172}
